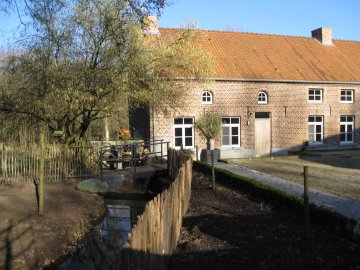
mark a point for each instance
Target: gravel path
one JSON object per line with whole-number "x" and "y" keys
{"x": 346, "y": 207}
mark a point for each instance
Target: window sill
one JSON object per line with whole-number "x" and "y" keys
{"x": 315, "y": 102}
{"x": 316, "y": 144}
{"x": 230, "y": 148}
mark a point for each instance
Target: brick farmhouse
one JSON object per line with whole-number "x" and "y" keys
{"x": 275, "y": 93}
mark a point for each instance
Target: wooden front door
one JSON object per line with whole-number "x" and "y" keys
{"x": 262, "y": 134}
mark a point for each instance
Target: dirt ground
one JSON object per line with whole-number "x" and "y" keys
{"x": 228, "y": 229}
{"x": 336, "y": 172}
{"x": 29, "y": 241}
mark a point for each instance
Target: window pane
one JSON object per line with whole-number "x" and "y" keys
{"x": 225, "y": 140}
{"x": 178, "y": 121}
{"x": 225, "y": 131}
{"x": 350, "y": 119}
{"x": 226, "y": 120}
{"x": 262, "y": 97}
{"x": 311, "y": 128}
{"x": 188, "y": 141}
{"x": 349, "y": 128}
{"x": 178, "y": 132}
{"x": 188, "y": 120}
{"x": 349, "y": 137}
{"x": 311, "y": 137}
{"x": 178, "y": 141}
{"x": 343, "y": 119}
{"x": 234, "y": 131}
{"x": 318, "y": 119}
{"x": 262, "y": 115}
{"x": 342, "y": 128}
{"x": 318, "y": 137}
{"x": 235, "y": 120}
{"x": 188, "y": 131}
{"x": 318, "y": 129}
{"x": 342, "y": 137}
{"x": 311, "y": 118}
{"x": 235, "y": 139}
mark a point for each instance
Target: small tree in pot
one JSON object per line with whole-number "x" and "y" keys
{"x": 210, "y": 125}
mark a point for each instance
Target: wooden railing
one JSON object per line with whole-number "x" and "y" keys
{"x": 157, "y": 230}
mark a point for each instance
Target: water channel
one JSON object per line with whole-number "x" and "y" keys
{"x": 101, "y": 248}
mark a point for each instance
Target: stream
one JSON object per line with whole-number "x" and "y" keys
{"x": 125, "y": 201}
{"x": 101, "y": 248}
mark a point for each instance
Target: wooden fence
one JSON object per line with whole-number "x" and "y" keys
{"x": 21, "y": 161}
{"x": 157, "y": 230}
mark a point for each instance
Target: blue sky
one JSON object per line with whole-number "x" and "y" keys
{"x": 284, "y": 17}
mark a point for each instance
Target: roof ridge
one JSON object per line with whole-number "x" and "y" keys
{"x": 347, "y": 40}
{"x": 236, "y": 32}
{"x": 253, "y": 33}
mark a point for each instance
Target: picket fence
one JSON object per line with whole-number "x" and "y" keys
{"x": 155, "y": 235}
{"x": 21, "y": 161}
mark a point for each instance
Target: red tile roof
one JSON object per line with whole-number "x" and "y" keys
{"x": 239, "y": 55}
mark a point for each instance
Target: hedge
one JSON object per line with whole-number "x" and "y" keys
{"x": 318, "y": 214}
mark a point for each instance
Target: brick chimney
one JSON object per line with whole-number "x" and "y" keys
{"x": 323, "y": 35}
{"x": 149, "y": 25}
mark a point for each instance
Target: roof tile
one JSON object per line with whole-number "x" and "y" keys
{"x": 240, "y": 55}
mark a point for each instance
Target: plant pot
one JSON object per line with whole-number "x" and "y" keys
{"x": 205, "y": 155}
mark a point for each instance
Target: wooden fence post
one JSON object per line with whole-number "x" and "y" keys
{"x": 306, "y": 201}
{"x": 42, "y": 172}
{"x": 213, "y": 169}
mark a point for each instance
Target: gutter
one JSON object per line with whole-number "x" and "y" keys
{"x": 266, "y": 80}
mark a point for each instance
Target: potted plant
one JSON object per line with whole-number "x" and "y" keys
{"x": 210, "y": 125}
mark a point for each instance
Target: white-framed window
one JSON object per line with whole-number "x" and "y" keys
{"x": 230, "y": 132}
{"x": 206, "y": 97}
{"x": 346, "y": 129}
{"x": 315, "y": 95}
{"x": 346, "y": 96}
{"x": 262, "y": 97}
{"x": 315, "y": 129}
{"x": 184, "y": 132}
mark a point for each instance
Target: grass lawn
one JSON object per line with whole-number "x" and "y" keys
{"x": 336, "y": 172}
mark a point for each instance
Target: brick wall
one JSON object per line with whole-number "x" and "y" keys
{"x": 287, "y": 103}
